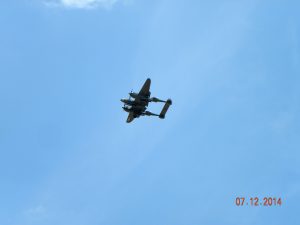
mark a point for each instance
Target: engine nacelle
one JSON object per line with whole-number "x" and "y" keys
{"x": 127, "y": 102}
{"x": 127, "y": 109}
{"x": 133, "y": 95}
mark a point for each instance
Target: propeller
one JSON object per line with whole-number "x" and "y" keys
{"x": 130, "y": 95}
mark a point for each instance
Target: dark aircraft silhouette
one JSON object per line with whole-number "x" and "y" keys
{"x": 137, "y": 106}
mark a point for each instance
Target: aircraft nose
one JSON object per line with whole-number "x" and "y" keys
{"x": 123, "y": 100}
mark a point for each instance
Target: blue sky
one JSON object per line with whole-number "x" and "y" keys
{"x": 67, "y": 156}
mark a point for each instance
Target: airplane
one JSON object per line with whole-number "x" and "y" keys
{"x": 137, "y": 103}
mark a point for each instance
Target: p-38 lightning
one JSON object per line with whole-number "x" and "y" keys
{"x": 137, "y": 103}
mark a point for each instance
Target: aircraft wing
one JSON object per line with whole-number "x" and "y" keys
{"x": 130, "y": 117}
{"x": 145, "y": 91}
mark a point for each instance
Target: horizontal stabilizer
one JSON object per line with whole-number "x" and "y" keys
{"x": 165, "y": 109}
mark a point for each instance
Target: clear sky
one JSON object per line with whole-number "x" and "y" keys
{"x": 67, "y": 156}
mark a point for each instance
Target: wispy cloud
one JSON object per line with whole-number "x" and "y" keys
{"x": 35, "y": 213}
{"x": 81, "y": 4}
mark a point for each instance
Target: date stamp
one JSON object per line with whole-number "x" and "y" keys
{"x": 256, "y": 201}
